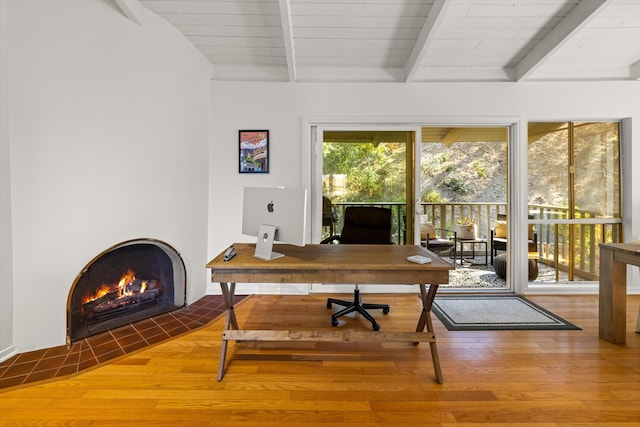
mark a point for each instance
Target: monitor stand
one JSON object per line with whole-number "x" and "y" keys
{"x": 264, "y": 245}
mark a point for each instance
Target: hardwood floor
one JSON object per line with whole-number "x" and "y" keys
{"x": 60, "y": 361}
{"x": 498, "y": 378}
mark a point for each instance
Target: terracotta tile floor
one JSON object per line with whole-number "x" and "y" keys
{"x": 60, "y": 361}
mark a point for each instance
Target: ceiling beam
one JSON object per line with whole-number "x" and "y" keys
{"x": 287, "y": 34}
{"x": 634, "y": 72}
{"x": 425, "y": 37}
{"x": 579, "y": 16}
{"x": 132, "y": 9}
{"x": 452, "y": 136}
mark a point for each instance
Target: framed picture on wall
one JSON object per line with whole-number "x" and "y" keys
{"x": 254, "y": 151}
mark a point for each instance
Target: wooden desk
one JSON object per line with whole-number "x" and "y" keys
{"x": 614, "y": 258}
{"x": 334, "y": 264}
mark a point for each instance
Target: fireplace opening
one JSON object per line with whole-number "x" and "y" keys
{"x": 131, "y": 281}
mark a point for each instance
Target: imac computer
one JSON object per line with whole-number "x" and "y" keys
{"x": 274, "y": 214}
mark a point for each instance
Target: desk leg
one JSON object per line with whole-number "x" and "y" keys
{"x": 425, "y": 320}
{"x": 613, "y": 298}
{"x": 228, "y": 291}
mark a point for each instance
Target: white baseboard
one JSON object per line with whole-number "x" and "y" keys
{"x": 263, "y": 288}
{"x": 307, "y": 289}
{"x": 7, "y": 353}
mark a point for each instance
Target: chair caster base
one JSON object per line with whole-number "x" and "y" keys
{"x": 356, "y": 306}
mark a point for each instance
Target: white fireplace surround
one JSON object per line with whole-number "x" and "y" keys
{"x": 112, "y": 130}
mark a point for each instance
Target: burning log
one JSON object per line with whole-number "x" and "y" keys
{"x": 127, "y": 292}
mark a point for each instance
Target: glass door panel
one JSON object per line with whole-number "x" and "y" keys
{"x": 368, "y": 168}
{"x": 548, "y": 154}
{"x": 463, "y": 177}
{"x": 597, "y": 172}
{"x": 574, "y": 195}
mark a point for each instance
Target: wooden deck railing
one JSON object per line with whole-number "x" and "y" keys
{"x": 558, "y": 241}
{"x": 446, "y": 215}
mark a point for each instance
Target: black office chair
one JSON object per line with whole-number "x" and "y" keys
{"x": 362, "y": 225}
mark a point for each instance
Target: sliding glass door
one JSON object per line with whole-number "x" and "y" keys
{"x": 463, "y": 179}
{"x": 574, "y": 195}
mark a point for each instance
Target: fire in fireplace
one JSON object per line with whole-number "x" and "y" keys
{"x": 131, "y": 281}
{"x": 112, "y": 298}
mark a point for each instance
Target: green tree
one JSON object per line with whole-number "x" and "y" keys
{"x": 374, "y": 172}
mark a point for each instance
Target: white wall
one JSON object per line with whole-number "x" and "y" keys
{"x": 281, "y": 108}
{"x": 6, "y": 281}
{"x": 108, "y": 139}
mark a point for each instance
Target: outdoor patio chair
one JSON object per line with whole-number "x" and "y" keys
{"x": 329, "y": 215}
{"x": 438, "y": 240}
{"x": 443, "y": 245}
{"x": 499, "y": 236}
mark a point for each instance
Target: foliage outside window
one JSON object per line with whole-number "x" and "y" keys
{"x": 364, "y": 172}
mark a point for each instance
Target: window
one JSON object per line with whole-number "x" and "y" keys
{"x": 574, "y": 194}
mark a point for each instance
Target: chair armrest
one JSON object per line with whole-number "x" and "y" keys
{"x": 449, "y": 235}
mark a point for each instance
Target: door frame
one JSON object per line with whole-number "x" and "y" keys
{"x": 314, "y": 174}
{"x": 311, "y": 162}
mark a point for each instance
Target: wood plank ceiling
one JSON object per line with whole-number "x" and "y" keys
{"x": 409, "y": 40}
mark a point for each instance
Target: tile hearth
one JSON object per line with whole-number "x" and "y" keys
{"x": 60, "y": 361}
